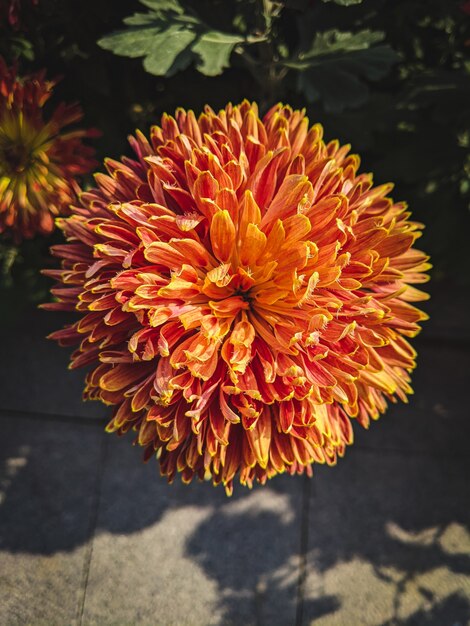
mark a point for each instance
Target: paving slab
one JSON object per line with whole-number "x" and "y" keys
{"x": 48, "y": 473}
{"x": 188, "y": 555}
{"x": 389, "y": 541}
{"x": 33, "y": 370}
{"x": 448, "y": 309}
{"x": 436, "y": 419}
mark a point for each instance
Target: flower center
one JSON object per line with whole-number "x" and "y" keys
{"x": 244, "y": 295}
{"x": 19, "y": 143}
{"x": 14, "y": 158}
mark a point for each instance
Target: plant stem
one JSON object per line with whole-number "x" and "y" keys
{"x": 264, "y": 67}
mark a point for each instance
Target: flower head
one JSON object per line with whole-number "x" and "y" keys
{"x": 39, "y": 162}
{"x": 243, "y": 293}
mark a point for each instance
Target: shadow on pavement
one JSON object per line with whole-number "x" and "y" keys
{"x": 225, "y": 543}
{"x": 452, "y": 611}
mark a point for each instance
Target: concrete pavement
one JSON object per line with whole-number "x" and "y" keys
{"x": 89, "y": 535}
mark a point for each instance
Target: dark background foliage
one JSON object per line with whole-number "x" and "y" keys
{"x": 391, "y": 77}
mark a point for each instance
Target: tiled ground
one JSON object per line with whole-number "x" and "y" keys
{"x": 89, "y": 535}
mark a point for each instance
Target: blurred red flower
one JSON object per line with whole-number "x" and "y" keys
{"x": 244, "y": 294}
{"x": 10, "y": 11}
{"x": 39, "y": 162}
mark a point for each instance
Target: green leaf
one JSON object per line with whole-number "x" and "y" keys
{"x": 20, "y": 47}
{"x": 166, "y": 48}
{"x": 339, "y": 81}
{"x": 161, "y": 6}
{"x": 133, "y": 42}
{"x": 372, "y": 64}
{"x": 170, "y": 39}
{"x": 214, "y": 49}
{"x": 337, "y": 65}
{"x": 344, "y": 3}
{"x": 338, "y": 90}
{"x": 334, "y": 41}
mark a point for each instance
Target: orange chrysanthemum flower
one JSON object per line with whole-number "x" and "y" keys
{"x": 38, "y": 162}
{"x": 244, "y": 293}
